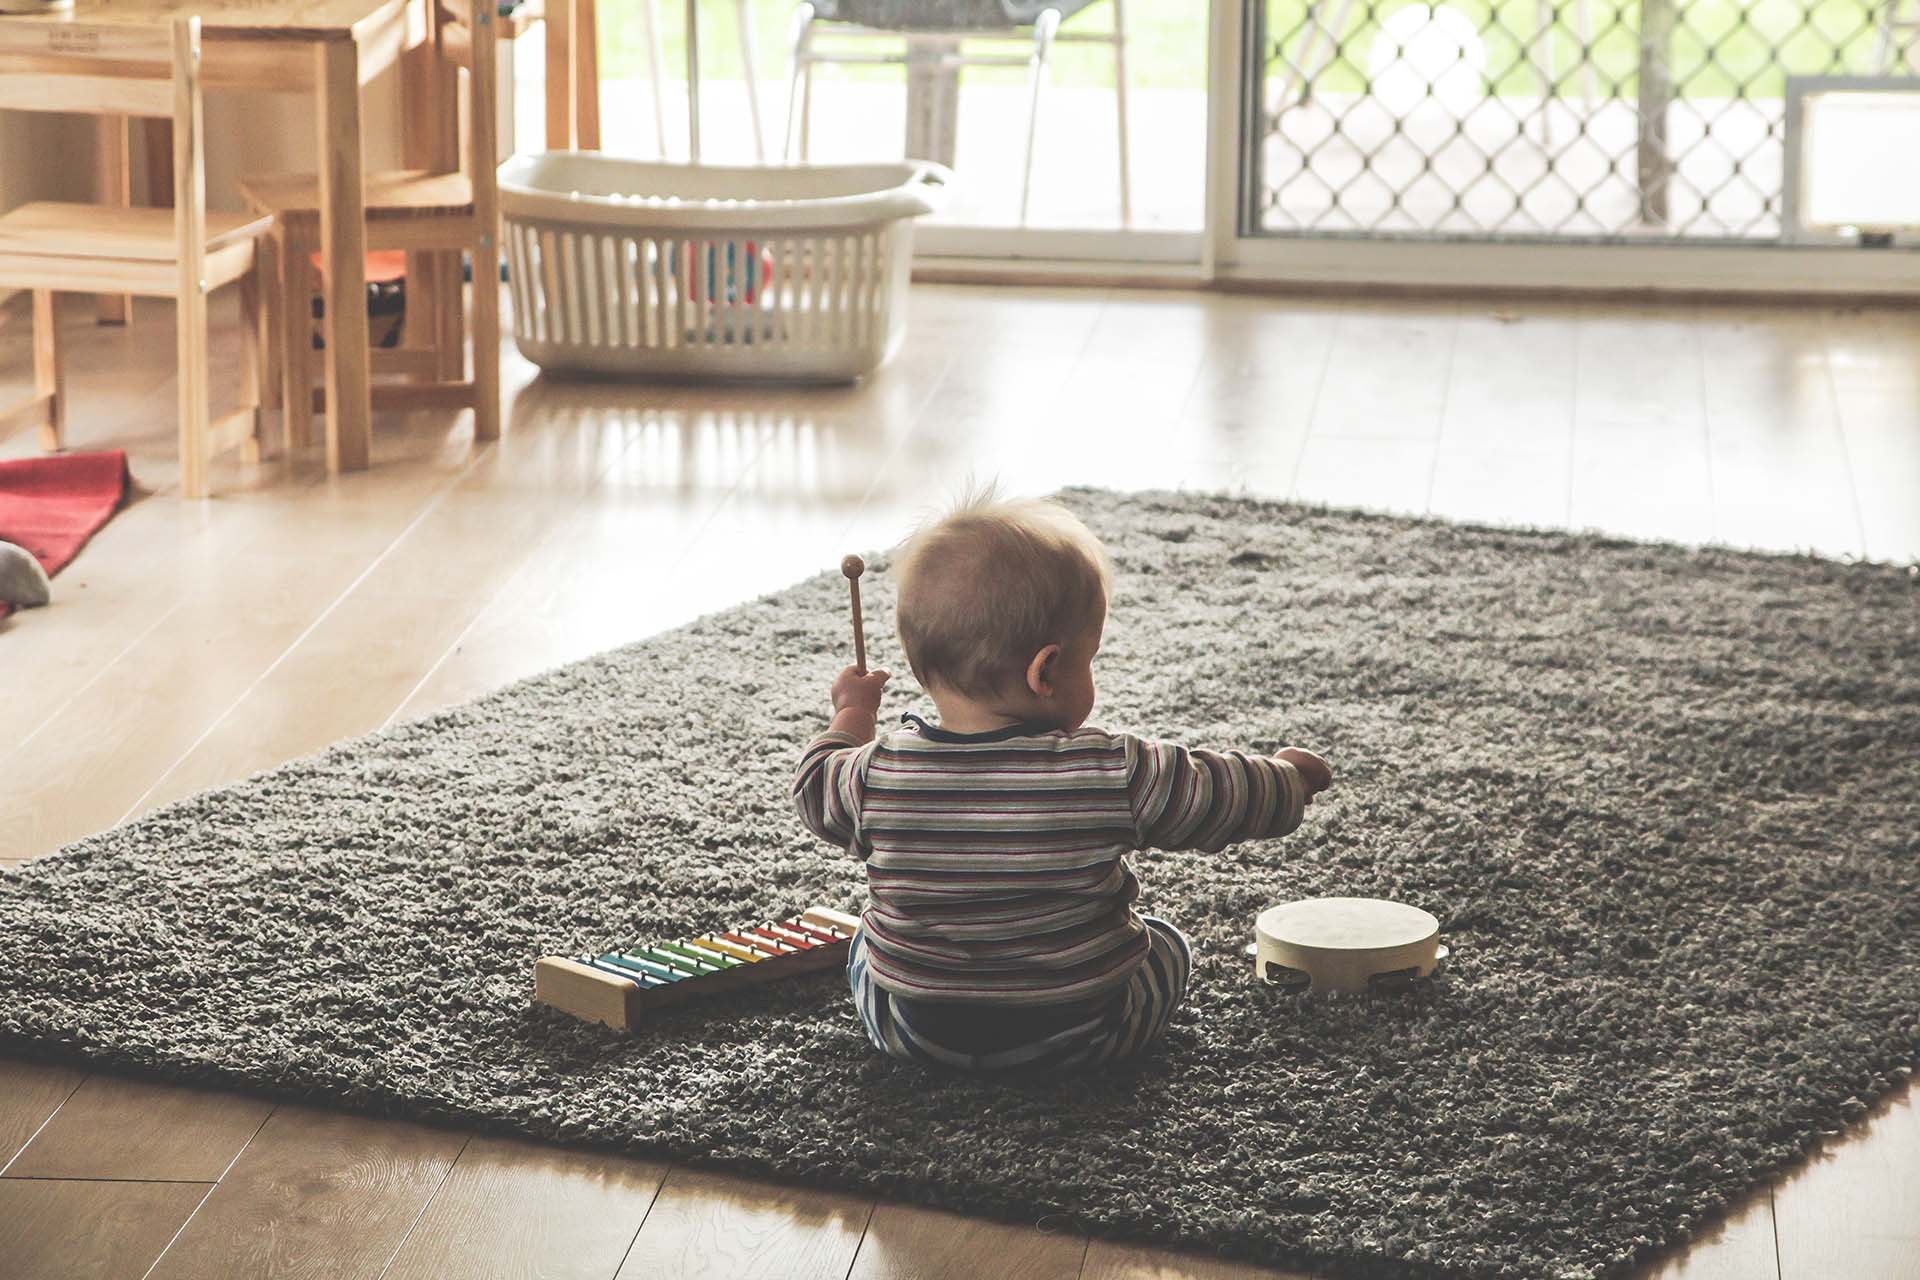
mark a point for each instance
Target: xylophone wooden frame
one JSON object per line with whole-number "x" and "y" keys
{"x": 594, "y": 995}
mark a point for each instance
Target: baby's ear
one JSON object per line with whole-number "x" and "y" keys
{"x": 1040, "y": 671}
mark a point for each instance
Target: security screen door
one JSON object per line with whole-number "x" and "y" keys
{"x": 1544, "y": 121}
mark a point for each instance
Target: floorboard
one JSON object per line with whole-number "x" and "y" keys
{"x": 30, "y": 1094}
{"x": 117, "y": 1127}
{"x": 903, "y": 1242}
{"x": 79, "y": 1230}
{"x": 388, "y": 627}
{"x": 1357, "y": 401}
{"x": 1373, "y": 472}
{"x": 1739, "y": 1247}
{"x": 520, "y": 1211}
{"x": 315, "y": 1194}
{"x": 712, "y": 1226}
{"x": 1854, "y": 1210}
{"x": 1108, "y": 1261}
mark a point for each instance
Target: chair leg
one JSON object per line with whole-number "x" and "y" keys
{"x": 799, "y": 82}
{"x": 486, "y": 339}
{"x": 250, "y": 367}
{"x": 421, "y": 318}
{"x": 296, "y": 339}
{"x": 1120, "y": 105}
{"x": 1043, "y": 29}
{"x": 195, "y": 419}
{"x": 450, "y": 302}
{"x": 267, "y": 330}
{"x": 747, "y": 61}
{"x": 49, "y": 371}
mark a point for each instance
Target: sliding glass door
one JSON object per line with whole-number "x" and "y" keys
{"x": 1406, "y": 139}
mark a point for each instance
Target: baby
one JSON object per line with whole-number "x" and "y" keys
{"x": 1002, "y": 935}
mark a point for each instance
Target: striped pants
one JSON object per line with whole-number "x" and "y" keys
{"x": 1136, "y": 1017}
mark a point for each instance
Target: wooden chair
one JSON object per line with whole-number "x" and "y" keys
{"x": 437, "y": 215}
{"x": 184, "y": 253}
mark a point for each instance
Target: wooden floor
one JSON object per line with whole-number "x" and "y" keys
{"x": 192, "y": 644}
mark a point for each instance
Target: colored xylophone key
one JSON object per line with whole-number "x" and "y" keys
{"x": 738, "y": 952}
{"x": 617, "y": 986}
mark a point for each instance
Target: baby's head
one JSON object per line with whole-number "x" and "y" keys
{"x": 1001, "y": 606}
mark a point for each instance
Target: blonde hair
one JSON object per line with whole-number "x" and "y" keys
{"x": 991, "y": 583}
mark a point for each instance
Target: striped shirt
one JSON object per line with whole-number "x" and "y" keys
{"x": 997, "y": 861}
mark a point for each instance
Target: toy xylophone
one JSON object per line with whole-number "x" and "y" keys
{"x": 617, "y": 987}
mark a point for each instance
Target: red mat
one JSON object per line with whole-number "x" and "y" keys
{"x": 52, "y": 505}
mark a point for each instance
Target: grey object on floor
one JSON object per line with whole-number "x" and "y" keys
{"x": 1663, "y": 801}
{"x": 23, "y": 582}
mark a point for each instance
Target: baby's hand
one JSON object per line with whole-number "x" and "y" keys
{"x": 1317, "y": 772}
{"x": 853, "y": 691}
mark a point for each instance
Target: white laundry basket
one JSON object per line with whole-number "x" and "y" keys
{"x": 701, "y": 271}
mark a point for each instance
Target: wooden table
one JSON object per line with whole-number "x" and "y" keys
{"x": 328, "y": 48}
{"x": 573, "y": 74}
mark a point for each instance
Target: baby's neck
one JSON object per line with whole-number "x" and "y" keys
{"x": 961, "y": 714}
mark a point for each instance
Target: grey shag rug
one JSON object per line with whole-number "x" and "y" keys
{"x": 1663, "y": 800}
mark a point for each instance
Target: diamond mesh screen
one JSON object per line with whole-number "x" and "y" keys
{"x": 1531, "y": 119}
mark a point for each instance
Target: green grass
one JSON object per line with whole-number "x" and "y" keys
{"x": 1720, "y": 47}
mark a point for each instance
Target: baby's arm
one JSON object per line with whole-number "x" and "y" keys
{"x": 1187, "y": 798}
{"x": 826, "y": 787}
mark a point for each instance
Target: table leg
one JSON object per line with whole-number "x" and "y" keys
{"x": 343, "y": 247}
{"x": 586, "y": 76}
{"x": 560, "y": 94}
{"x": 486, "y": 248}
{"x": 112, "y": 185}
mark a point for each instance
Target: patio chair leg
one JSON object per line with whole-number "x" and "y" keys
{"x": 1543, "y": 12}
{"x": 1120, "y": 102}
{"x": 1583, "y": 18}
{"x": 806, "y": 115}
{"x": 1888, "y": 55}
{"x": 799, "y": 80}
{"x": 1043, "y": 29}
{"x": 747, "y": 62}
{"x": 656, "y": 70}
{"x": 1299, "y": 77}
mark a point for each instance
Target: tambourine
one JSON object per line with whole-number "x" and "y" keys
{"x": 1345, "y": 944}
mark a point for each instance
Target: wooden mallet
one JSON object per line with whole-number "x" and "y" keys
{"x": 853, "y": 567}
